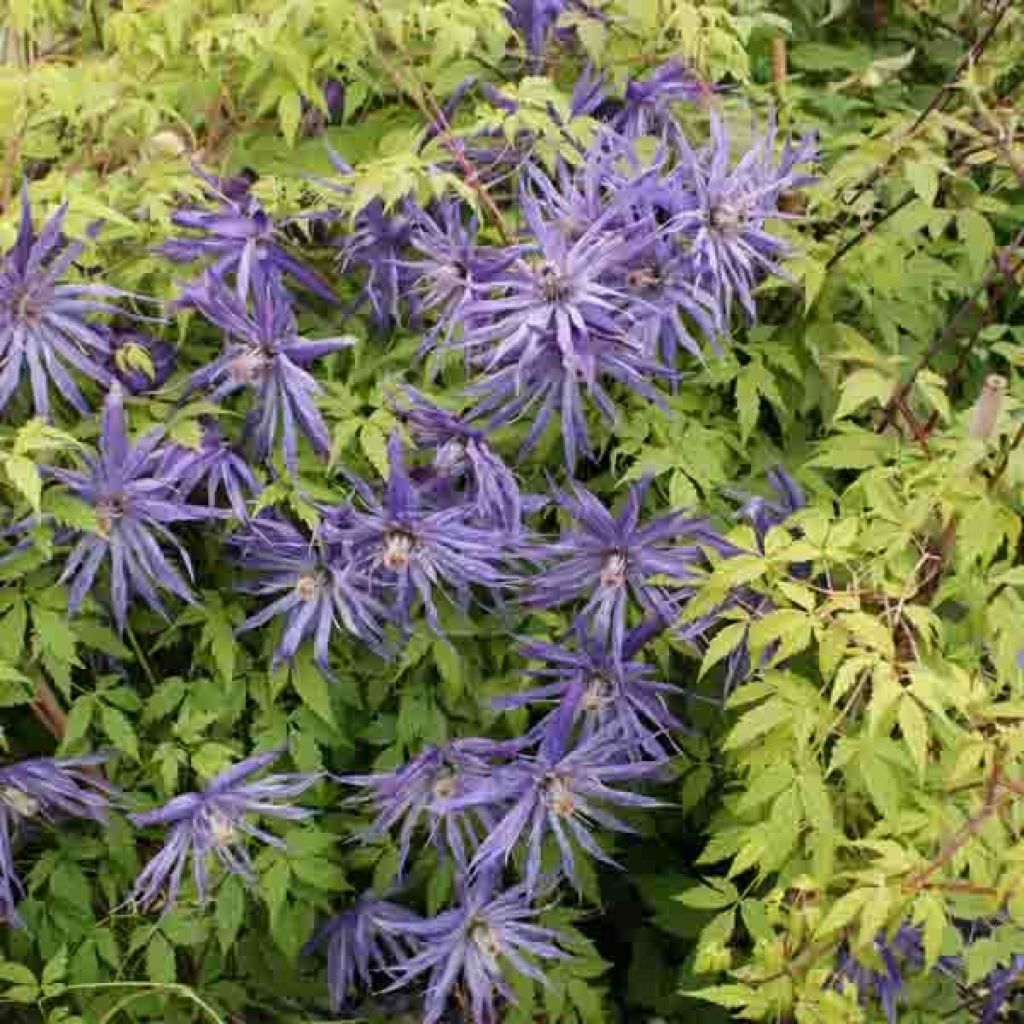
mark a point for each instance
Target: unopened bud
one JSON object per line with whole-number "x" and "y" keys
{"x": 986, "y": 411}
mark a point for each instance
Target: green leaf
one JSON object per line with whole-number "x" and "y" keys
{"x": 161, "y": 966}
{"x": 117, "y": 726}
{"x": 979, "y": 240}
{"x": 716, "y": 894}
{"x": 860, "y": 387}
{"x": 756, "y": 723}
{"x": 311, "y": 686}
{"x": 449, "y": 665}
{"x": 229, "y": 910}
{"x": 289, "y": 115}
{"x": 25, "y": 478}
{"x": 914, "y": 726}
{"x": 731, "y": 996}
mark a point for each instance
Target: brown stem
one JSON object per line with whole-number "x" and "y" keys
{"x": 46, "y": 707}
{"x": 992, "y": 803}
{"x": 779, "y": 62}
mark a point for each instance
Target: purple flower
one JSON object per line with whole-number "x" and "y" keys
{"x": 215, "y": 822}
{"x": 534, "y": 20}
{"x": 134, "y": 506}
{"x": 601, "y": 692}
{"x": 563, "y": 792}
{"x": 646, "y": 108}
{"x": 413, "y": 552}
{"x": 555, "y": 328}
{"x": 316, "y": 119}
{"x": 265, "y": 355}
{"x": 724, "y": 221}
{"x": 903, "y": 949}
{"x": 139, "y": 361}
{"x": 215, "y": 463}
{"x": 608, "y": 559}
{"x": 463, "y": 453}
{"x": 1000, "y": 984}
{"x": 45, "y": 329}
{"x": 240, "y": 239}
{"x": 764, "y": 513}
{"x": 378, "y": 245}
{"x": 425, "y": 792}
{"x": 312, "y": 584}
{"x": 372, "y": 935}
{"x": 452, "y": 263}
{"x": 468, "y": 947}
{"x": 48, "y": 789}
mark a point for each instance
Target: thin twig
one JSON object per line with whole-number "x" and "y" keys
{"x": 901, "y": 392}
{"x": 938, "y": 100}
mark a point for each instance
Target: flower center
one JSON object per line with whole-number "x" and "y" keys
{"x": 553, "y": 286}
{"x": 643, "y": 279}
{"x": 398, "y": 547}
{"x": 222, "y": 828}
{"x": 725, "y": 217}
{"x": 597, "y": 694}
{"x": 559, "y": 797}
{"x": 307, "y": 586}
{"x": 444, "y": 787}
{"x": 108, "y": 511}
{"x": 27, "y": 307}
{"x": 485, "y": 938}
{"x": 248, "y": 368}
{"x": 613, "y": 573}
{"x": 19, "y": 801}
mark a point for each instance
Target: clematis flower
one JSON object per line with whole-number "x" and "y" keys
{"x": 451, "y": 264}
{"x": 534, "y": 20}
{"x": 46, "y": 329}
{"x": 764, "y": 513}
{"x": 904, "y": 949}
{"x": 413, "y": 552}
{"x": 216, "y": 823}
{"x": 241, "y": 242}
{"x": 555, "y": 329}
{"x": 562, "y": 791}
{"x": 463, "y": 453}
{"x": 134, "y": 506}
{"x": 468, "y": 945}
{"x": 266, "y": 356}
{"x": 43, "y": 789}
{"x": 725, "y": 224}
{"x": 646, "y": 107}
{"x": 372, "y": 935}
{"x": 313, "y": 586}
{"x": 1000, "y": 984}
{"x": 424, "y": 793}
{"x": 217, "y": 465}
{"x": 598, "y": 691}
{"x": 609, "y": 560}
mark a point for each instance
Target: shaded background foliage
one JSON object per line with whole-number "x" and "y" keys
{"x": 852, "y": 811}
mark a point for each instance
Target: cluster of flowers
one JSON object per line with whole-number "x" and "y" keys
{"x": 620, "y": 266}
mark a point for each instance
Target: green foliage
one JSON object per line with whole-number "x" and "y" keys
{"x": 871, "y": 771}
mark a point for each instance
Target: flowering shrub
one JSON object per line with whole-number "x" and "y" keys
{"x": 512, "y": 513}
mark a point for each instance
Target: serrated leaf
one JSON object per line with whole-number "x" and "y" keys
{"x": 117, "y": 726}
{"x": 914, "y": 726}
{"x": 311, "y": 686}
{"x": 25, "y": 478}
